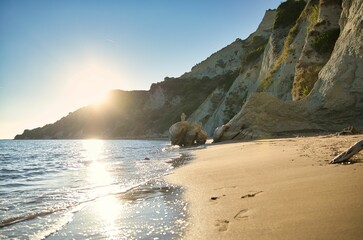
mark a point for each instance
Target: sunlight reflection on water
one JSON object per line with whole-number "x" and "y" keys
{"x": 107, "y": 207}
{"x": 97, "y": 173}
{"x": 89, "y": 189}
{"x": 93, "y": 148}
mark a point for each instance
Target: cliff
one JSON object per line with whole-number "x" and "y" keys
{"x": 301, "y": 71}
{"x": 336, "y": 99}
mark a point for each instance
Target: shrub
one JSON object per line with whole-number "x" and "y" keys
{"x": 258, "y": 41}
{"x": 331, "y": 2}
{"x": 305, "y": 79}
{"x": 253, "y": 55}
{"x": 288, "y": 12}
{"x": 220, "y": 63}
{"x": 324, "y": 43}
{"x": 265, "y": 84}
{"x": 258, "y": 45}
{"x": 313, "y": 17}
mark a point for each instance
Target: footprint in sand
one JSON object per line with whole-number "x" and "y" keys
{"x": 234, "y": 186}
{"x": 251, "y": 194}
{"x": 222, "y": 225}
{"x": 242, "y": 214}
{"x": 215, "y": 198}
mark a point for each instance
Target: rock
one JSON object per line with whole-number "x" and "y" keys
{"x": 177, "y": 132}
{"x": 202, "y": 137}
{"x": 218, "y": 133}
{"x": 263, "y": 116}
{"x": 187, "y": 134}
{"x": 191, "y": 135}
{"x": 183, "y": 117}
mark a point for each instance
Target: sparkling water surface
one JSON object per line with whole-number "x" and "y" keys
{"x": 89, "y": 189}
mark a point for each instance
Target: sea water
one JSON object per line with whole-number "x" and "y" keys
{"x": 89, "y": 189}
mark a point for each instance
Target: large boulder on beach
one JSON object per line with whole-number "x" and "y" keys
{"x": 177, "y": 132}
{"x": 187, "y": 134}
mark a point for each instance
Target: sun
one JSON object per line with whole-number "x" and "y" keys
{"x": 90, "y": 80}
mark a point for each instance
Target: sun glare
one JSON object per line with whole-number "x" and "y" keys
{"x": 107, "y": 207}
{"x": 97, "y": 170}
{"x": 93, "y": 148}
{"x": 89, "y": 80}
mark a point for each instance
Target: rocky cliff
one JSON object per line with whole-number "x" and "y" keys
{"x": 336, "y": 99}
{"x": 301, "y": 71}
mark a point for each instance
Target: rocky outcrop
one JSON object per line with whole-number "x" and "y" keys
{"x": 335, "y": 101}
{"x": 187, "y": 134}
{"x": 265, "y": 116}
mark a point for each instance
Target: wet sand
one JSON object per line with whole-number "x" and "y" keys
{"x": 274, "y": 189}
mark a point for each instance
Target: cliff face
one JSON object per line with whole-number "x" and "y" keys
{"x": 301, "y": 71}
{"x": 335, "y": 101}
{"x": 224, "y": 103}
{"x": 323, "y": 26}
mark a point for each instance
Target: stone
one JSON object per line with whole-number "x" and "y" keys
{"x": 218, "y": 133}
{"x": 183, "y": 117}
{"x": 177, "y": 132}
{"x": 187, "y": 134}
{"x": 202, "y": 137}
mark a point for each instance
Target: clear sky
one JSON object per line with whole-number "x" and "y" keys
{"x": 59, "y": 55}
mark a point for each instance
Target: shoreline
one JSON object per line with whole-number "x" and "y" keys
{"x": 280, "y": 188}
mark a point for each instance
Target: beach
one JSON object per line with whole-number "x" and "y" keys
{"x": 274, "y": 189}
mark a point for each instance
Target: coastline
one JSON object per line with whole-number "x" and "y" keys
{"x": 273, "y": 189}
{"x": 113, "y": 190}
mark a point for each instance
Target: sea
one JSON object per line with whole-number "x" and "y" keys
{"x": 90, "y": 189}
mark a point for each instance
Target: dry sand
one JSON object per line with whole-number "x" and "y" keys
{"x": 274, "y": 189}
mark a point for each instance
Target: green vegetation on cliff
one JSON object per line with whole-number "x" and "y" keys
{"x": 257, "y": 47}
{"x": 288, "y": 12}
{"x": 324, "y": 43}
{"x": 331, "y": 2}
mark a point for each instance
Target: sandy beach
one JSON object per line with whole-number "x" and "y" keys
{"x": 274, "y": 189}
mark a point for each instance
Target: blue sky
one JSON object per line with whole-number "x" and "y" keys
{"x": 56, "y": 56}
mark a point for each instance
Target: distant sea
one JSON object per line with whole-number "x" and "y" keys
{"x": 89, "y": 189}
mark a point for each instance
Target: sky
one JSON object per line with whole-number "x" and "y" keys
{"x": 57, "y": 56}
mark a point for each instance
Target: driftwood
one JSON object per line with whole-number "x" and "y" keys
{"x": 345, "y": 156}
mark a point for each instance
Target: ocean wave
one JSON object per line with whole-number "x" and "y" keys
{"x": 12, "y": 185}
{"x": 46, "y": 189}
{"x": 11, "y": 171}
{"x": 27, "y": 216}
{"x": 32, "y": 215}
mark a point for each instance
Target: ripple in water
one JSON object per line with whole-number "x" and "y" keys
{"x": 103, "y": 189}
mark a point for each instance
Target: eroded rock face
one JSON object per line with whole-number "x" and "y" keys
{"x": 187, "y": 134}
{"x": 264, "y": 116}
{"x": 223, "y": 103}
{"x": 316, "y": 52}
{"x": 336, "y": 100}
